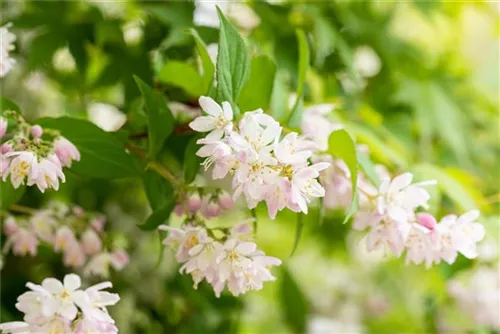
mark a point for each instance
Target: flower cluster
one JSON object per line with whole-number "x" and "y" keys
{"x": 33, "y": 155}
{"x": 7, "y": 40}
{"x": 233, "y": 261}
{"x": 391, "y": 210}
{"x": 62, "y": 307}
{"x": 209, "y": 205}
{"x": 72, "y": 231}
{"x": 264, "y": 168}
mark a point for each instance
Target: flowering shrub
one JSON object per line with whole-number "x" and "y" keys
{"x": 296, "y": 148}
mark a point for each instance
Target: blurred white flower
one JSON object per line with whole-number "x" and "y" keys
{"x": 366, "y": 62}
{"x": 7, "y": 40}
{"x": 106, "y": 116}
{"x": 205, "y": 13}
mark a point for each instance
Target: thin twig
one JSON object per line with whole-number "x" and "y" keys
{"x": 22, "y": 209}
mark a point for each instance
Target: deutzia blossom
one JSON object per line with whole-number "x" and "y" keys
{"x": 49, "y": 173}
{"x": 3, "y": 127}
{"x": 24, "y": 166}
{"x": 7, "y": 40}
{"x": 66, "y": 151}
{"x": 216, "y": 121}
{"x": 55, "y": 307}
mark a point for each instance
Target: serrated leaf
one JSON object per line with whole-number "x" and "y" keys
{"x": 102, "y": 154}
{"x": 298, "y": 232}
{"x": 293, "y": 302}
{"x": 368, "y": 168}
{"x": 296, "y": 115}
{"x": 191, "y": 160}
{"x": 207, "y": 65}
{"x": 257, "y": 91}
{"x": 341, "y": 146}
{"x": 160, "y": 119}
{"x": 233, "y": 63}
{"x": 9, "y": 195}
{"x": 182, "y": 75}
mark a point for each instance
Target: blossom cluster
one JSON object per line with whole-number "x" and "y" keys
{"x": 209, "y": 205}
{"x": 62, "y": 307}
{"x": 7, "y": 40}
{"x": 77, "y": 234}
{"x": 264, "y": 166}
{"x": 29, "y": 154}
{"x": 391, "y": 210}
{"x": 233, "y": 260}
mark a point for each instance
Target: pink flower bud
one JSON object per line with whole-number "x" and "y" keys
{"x": 66, "y": 152}
{"x": 24, "y": 242}
{"x": 226, "y": 201}
{"x": 74, "y": 256}
{"x": 10, "y": 226}
{"x": 211, "y": 209}
{"x": 5, "y": 148}
{"x": 179, "y": 210}
{"x": 3, "y": 127}
{"x": 78, "y": 211}
{"x": 98, "y": 223}
{"x": 91, "y": 242}
{"x": 426, "y": 220}
{"x": 119, "y": 259}
{"x": 64, "y": 239}
{"x": 194, "y": 202}
{"x": 36, "y": 131}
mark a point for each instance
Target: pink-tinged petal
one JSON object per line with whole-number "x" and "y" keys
{"x": 399, "y": 182}
{"x": 72, "y": 282}
{"x": 52, "y": 285}
{"x": 205, "y": 151}
{"x": 468, "y": 217}
{"x": 210, "y": 106}
{"x": 398, "y": 214}
{"x": 427, "y": 220}
{"x": 203, "y": 124}
{"x": 320, "y": 166}
{"x": 228, "y": 111}
{"x": 246, "y": 248}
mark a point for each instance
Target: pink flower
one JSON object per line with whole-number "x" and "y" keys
{"x": 49, "y": 173}
{"x": 23, "y": 242}
{"x": 210, "y": 208}
{"x": 3, "y": 127}
{"x": 427, "y": 220}
{"x": 74, "y": 256}
{"x": 43, "y": 225}
{"x": 119, "y": 259}
{"x": 64, "y": 239}
{"x": 66, "y": 151}
{"x": 10, "y": 226}
{"x": 91, "y": 242}
{"x": 36, "y": 131}
{"x": 98, "y": 222}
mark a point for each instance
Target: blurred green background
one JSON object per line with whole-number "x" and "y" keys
{"x": 423, "y": 98}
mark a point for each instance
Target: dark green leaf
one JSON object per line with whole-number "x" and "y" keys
{"x": 191, "y": 160}
{"x": 298, "y": 232}
{"x": 296, "y": 115}
{"x": 158, "y": 190}
{"x": 182, "y": 75}
{"x": 206, "y": 62}
{"x": 102, "y": 154}
{"x": 368, "y": 168}
{"x": 257, "y": 92}
{"x": 9, "y": 195}
{"x": 293, "y": 302}
{"x": 159, "y": 216}
{"x": 6, "y": 104}
{"x": 341, "y": 146}
{"x": 233, "y": 63}
{"x": 160, "y": 119}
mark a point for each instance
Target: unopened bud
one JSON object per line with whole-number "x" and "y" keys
{"x": 426, "y": 220}
{"x": 226, "y": 201}
{"x": 211, "y": 209}
{"x": 36, "y": 131}
{"x": 194, "y": 202}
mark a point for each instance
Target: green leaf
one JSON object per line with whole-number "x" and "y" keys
{"x": 183, "y": 75}
{"x": 295, "y": 117}
{"x": 102, "y": 154}
{"x": 233, "y": 64}
{"x": 368, "y": 168}
{"x": 207, "y": 66}
{"x": 257, "y": 92}
{"x": 298, "y": 232}
{"x": 341, "y": 146}
{"x": 160, "y": 119}
{"x": 191, "y": 160}
{"x": 6, "y": 104}
{"x": 9, "y": 195}
{"x": 293, "y": 302}
{"x": 157, "y": 189}
{"x": 159, "y": 216}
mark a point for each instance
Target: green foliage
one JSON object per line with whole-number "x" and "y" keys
{"x": 368, "y": 168}
{"x": 191, "y": 160}
{"x": 9, "y": 195}
{"x": 233, "y": 63}
{"x": 293, "y": 302}
{"x": 161, "y": 198}
{"x": 208, "y": 68}
{"x": 257, "y": 91}
{"x": 296, "y": 115}
{"x": 102, "y": 154}
{"x": 184, "y": 76}
{"x": 160, "y": 119}
{"x": 341, "y": 146}
{"x": 298, "y": 232}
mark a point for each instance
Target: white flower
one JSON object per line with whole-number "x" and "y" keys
{"x": 63, "y": 294}
{"x": 49, "y": 173}
{"x": 390, "y": 233}
{"x": 65, "y": 151}
{"x": 23, "y": 242}
{"x": 183, "y": 239}
{"x": 217, "y": 120}
{"x": 24, "y": 165}
{"x": 316, "y": 126}
{"x": 43, "y": 224}
{"x": 106, "y": 116}
{"x": 91, "y": 242}
{"x": 7, "y": 40}
{"x": 305, "y": 185}
{"x": 293, "y": 150}
{"x": 93, "y": 302}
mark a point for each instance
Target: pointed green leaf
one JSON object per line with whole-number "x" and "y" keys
{"x": 207, "y": 65}
{"x": 298, "y": 232}
{"x": 257, "y": 92}
{"x": 368, "y": 168}
{"x": 341, "y": 146}
{"x": 233, "y": 63}
{"x": 160, "y": 119}
{"x": 182, "y": 75}
{"x": 296, "y": 115}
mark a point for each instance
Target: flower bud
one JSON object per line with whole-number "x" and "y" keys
{"x": 119, "y": 259}
{"x": 179, "y": 209}
{"x": 91, "y": 243}
{"x": 194, "y": 202}
{"x": 64, "y": 238}
{"x": 98, "y": 222}
{"x": 10, "y": 226}
{"x": 426, "y": 220}
{"x": 225, "y": 200}
{"x": 210, "y": 209}
{"x": 78, "y": 211}
{"x": 74, "y": 256}
{"x": 25, "y": 242}
{"x": 36, "y": 131}
{"x": 3, "y": 127}
{"x": 5, "y": 148}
